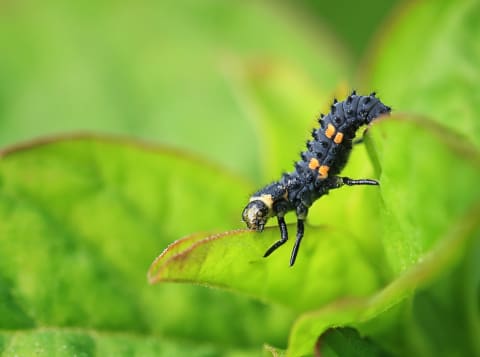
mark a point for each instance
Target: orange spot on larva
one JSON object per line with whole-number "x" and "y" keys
{"x": 313, "y": 164}
{"x": 323, "y": 171}
{"x": 330, "y": 131}
{"x": 338, "y": 138}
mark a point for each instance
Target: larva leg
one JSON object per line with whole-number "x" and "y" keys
{"x": 338, "y": 182}
{"x": 300, "y": 229}
{"x": 302, "y": 212}
{"x": 358, "y": 141}
{"x": 350, "y": 182}
{"x": 283, "y": 237}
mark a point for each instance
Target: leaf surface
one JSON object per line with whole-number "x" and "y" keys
{"x": 80, "y": 219}
{"x": 233, "y": 260}
{"x": 427, "y": 62}
{"x": 420, "y": 247}
{"x": 65, "y": 342}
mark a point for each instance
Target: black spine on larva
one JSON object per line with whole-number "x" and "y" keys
{"x": 332, "y": 141}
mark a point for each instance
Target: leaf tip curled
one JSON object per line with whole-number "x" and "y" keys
{"x": 154, "y": 274}
{"x": 151, "y": 278}
{"x": 185, "y": 256}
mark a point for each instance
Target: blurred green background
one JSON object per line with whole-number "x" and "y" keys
{"x": 172, "y": 72}
{"x": 195, "y": 104}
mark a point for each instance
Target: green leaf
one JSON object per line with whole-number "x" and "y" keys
{"x": 233, "y": 260}
{"x": 80, "y": 218}
{"x": 419, "y": 247}
{"x": 374, "y": 314}
{"x": 65, "y": 342}
{"x": 337, "y": 342}
{"x": 429, "y": 180}
{"x": 429, "y": 220}
{"x": 436, "y": 81}
{"x": 428, "y": 63}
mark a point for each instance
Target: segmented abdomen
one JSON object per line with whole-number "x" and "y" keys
{"x": 328, "y": 152}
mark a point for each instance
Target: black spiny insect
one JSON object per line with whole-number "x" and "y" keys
{"x": 316, "y": 173}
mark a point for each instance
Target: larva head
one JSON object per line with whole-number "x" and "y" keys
{"x": 256, "y": 214}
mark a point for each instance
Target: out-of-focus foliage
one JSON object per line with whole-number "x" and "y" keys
{"x": 161, "y": 70}
{"x": 354, "y": 22}
{"x": 439, "y": 77}
{"x": 81, "y": 220}
{"x": 394, "y": 269}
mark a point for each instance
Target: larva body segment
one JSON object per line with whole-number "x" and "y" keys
{"x": 316, "y": 172}
{"x": 332, "y": 142}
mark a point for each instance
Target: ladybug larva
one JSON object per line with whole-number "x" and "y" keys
{"x": 316, "y": 173}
